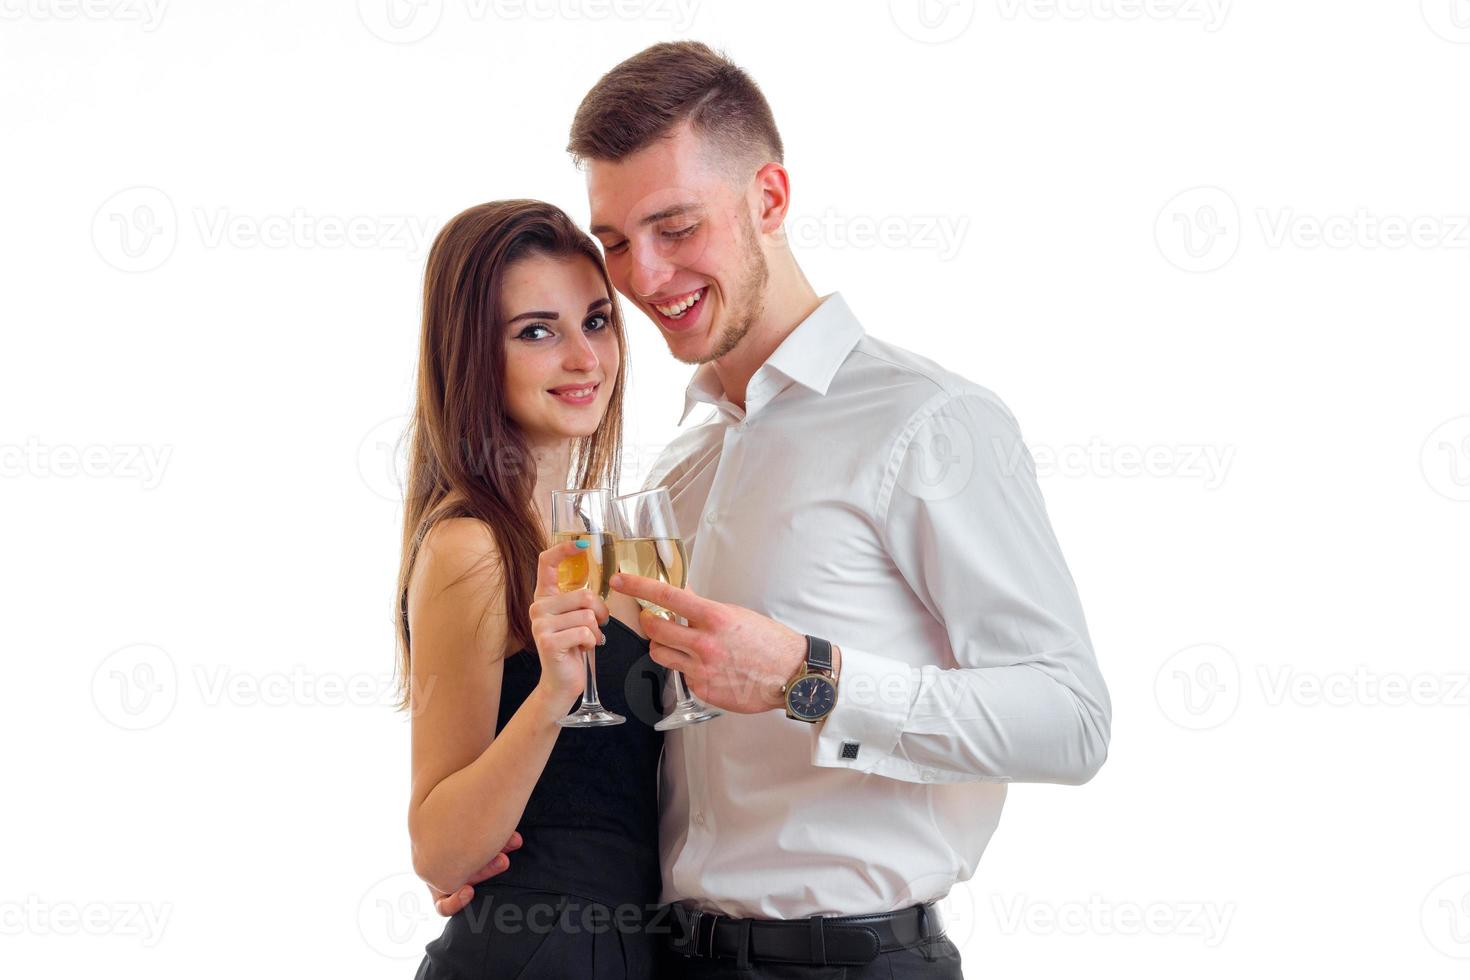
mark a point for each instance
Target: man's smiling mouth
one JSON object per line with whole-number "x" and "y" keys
{"x": 676, "y": 309}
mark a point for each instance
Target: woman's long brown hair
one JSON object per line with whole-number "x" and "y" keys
{"x": 467, "y": 458}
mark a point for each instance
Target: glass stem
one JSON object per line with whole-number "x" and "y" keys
{"x": 681, "y": 690}
{"x": 589, "y": 694}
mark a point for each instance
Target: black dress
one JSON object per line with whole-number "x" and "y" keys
{"x": 577, "y": 897}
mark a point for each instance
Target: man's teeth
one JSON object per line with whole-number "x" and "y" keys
{"x": 675, "y": 309}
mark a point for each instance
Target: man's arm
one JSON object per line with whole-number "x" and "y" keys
{"x": 1025, "y": 700}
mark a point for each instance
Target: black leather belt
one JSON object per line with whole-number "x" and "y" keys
{"x": 852, "y": 940}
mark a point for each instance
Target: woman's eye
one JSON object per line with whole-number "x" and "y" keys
{"x": 525, "y": 334}
{"x": 598, "y": 321}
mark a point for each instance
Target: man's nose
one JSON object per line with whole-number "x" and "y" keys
{"x": 651, "y": 271}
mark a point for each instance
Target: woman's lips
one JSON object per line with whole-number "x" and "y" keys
{"x": 577, "y": 394}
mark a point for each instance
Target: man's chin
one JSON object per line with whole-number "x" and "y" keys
{"x": 689, "y": 350}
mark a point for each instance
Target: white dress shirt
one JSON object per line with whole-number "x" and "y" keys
{"x": 869, "y": 496}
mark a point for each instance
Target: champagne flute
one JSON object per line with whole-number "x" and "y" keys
{"x": 586, "y": 514}
{"x": 649, "y": 545}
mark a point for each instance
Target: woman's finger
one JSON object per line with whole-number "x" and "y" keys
{"x": 547, "y": 565}
{"x": 562, "y": 602}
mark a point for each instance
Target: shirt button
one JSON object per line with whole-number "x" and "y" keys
{"x": 699, "y": 819}
{"x": 928, "y": 775}
{"x": 713, "y": 517}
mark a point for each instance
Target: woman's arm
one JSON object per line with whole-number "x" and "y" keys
{"x": 470, "y": 786}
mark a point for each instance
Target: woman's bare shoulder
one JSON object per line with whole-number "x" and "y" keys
{"x": 457, "y": 549}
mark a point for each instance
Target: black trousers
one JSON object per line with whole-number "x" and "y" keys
{"x": 513, "y": 933}
{"x": 902, "y": 964}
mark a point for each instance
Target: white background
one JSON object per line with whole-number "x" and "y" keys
{"x": 1213, "y": 255}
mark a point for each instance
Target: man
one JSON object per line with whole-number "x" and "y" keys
{"x": 875, "y": 593}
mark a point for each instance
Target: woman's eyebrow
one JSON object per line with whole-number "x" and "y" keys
{"x": 550, "y": 315}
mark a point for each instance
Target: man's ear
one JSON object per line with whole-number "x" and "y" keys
{"x": 773, "y": 184}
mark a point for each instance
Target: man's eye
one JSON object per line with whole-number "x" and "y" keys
{"x": 598, "y": 321}
{"x": 615, "y": 249}
{"x": 681, "y": 232}
{"x": 525, "y": 334}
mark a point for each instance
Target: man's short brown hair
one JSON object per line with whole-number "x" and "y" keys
{"x": 646, "y": 97}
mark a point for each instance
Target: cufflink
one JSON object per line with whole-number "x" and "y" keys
{"x": 849, "y": 751}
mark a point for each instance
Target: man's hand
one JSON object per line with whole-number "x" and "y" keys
{"x": 731, "y": 657}
{"x": 449, "y": 904}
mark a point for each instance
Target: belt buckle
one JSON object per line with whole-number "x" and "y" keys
{"x": 714, "y": 921}
{"x": 692, "y": 948}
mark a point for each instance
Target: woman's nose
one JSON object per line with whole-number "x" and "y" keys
{"x": 580, "y": 355}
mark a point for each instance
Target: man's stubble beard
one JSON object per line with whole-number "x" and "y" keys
{"x": 748, "y": 303}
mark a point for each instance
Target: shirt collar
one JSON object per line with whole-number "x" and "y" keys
{"x": 810, "y": 356}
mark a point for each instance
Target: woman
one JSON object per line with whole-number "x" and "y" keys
{"x": 520, "y": 393}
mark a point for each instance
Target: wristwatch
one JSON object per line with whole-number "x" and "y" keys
{"x": 812, "y": 693}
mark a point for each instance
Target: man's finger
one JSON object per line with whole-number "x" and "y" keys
{"x": 546, "y": 568}
{"x": 681, "y": 602}
{"x": 667, "y": 632}
{"x": 672, "y": 658}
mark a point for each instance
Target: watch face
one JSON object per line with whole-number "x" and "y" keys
{"x": 812, "y": 697}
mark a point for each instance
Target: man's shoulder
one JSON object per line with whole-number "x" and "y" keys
{"x": 682, "y": 452}
{"x": 911, "y": 382}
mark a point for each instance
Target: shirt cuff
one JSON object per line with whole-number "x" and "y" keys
{"x": 874, "y": 698}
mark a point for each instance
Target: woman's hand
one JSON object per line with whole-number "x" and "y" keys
{"x": 563, "y": 624}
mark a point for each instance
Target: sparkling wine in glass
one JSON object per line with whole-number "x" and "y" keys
{"x": 586, "y": 515}
{"x": 649, "y": 545}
